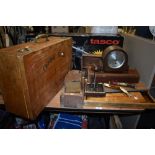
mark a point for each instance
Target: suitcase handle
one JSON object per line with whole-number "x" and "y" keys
{"x": 41, "y": 36}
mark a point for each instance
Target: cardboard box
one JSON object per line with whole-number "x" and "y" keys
{"x": 60, "y": 29}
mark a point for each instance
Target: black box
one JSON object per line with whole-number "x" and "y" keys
{"x": 91, "y": 43}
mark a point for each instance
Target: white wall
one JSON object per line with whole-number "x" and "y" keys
{"x": 141, "y": 54}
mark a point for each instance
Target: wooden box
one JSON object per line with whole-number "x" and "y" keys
{"x": 72, "y": 100}
{"x": 73, "y": 82}
{"x": 32, "y": 73}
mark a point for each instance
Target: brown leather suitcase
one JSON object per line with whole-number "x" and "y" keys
{"x": 32, "y": 73}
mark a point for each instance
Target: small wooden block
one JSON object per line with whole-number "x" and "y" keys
{"x": 73, "y": 82}
{"x": 72, "y": 87}
{"x": 73, "y": 100}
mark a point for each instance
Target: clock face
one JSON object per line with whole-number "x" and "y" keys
{"x": 116, "y": 59}
{"x": 152, "y": 30}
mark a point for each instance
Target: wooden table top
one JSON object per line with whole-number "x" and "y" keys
{"x": 112, "y": 102}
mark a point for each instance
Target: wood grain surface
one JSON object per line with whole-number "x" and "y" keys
{"x": 31, "y": 78}
{"x": 138, "y": 87}
{"x": 118, "y": 98}
{"x": 131, "y": 76}
{"x": 72, "y": 82}
{"x": 97, "y": 104}
{"x": 112, "y": 101}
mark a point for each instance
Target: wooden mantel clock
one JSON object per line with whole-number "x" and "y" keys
{"x": 115, "y": 59}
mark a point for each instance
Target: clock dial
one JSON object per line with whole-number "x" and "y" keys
{"x": 116, "y": 59}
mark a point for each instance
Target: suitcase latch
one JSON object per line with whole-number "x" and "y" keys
{"x": 24, "y": 49}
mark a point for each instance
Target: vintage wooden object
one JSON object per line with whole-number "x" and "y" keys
{"x": 32, "y": 73}
{"x": 91, "y": 60}
{"x": 72, "y": 100}
{"x": 96, "y": 90}
{"x": 131, "y": 76}
{"x": 115, "y": 60}
{"x": 73, "y": 82}
{"x": 72, "y": 95}
{"x": 90, "y": 63}
{"x": 114, "y": 100}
